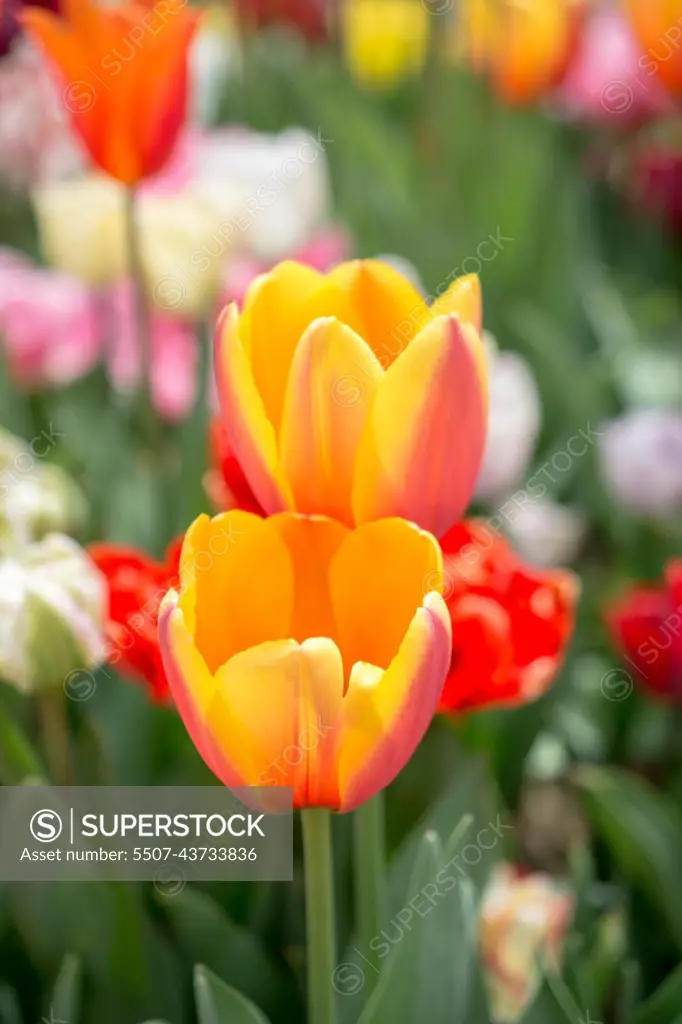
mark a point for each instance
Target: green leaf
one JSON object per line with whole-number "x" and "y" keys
{"x": 643, "y": 832}
{"x": 217, "y": 1003}
{"x": 66, "y": 995}
{"x": 665, "y": 1004}
{"x": 207, "y": 935}
{"x": 469, "y": 796}
{"x": 428, "y": 948}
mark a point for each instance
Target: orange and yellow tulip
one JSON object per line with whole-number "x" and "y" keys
{"x": 346, "y": 395}
{"x": 525, "y": 46}
{"x": 658, "y": 26}
{"x": 301, "y": 653}
{"x": 124, "y": 75}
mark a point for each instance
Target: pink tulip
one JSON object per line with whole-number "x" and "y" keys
{"x": 53, "y": 330}
{"x": 609, "y": 78}
{"x": 48, "y": 324}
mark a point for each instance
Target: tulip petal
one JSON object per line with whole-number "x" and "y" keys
{"x": 276, "y": 709}
{"x": 383, "y": 307}
{"x": 312, "y": 544}
{"x": 463, "y": 298}
{"x": 385, "y": 715}
{"x": 377, "y": 580}
{"x": 334, "y": 376}
{"x": 251, "y": 433}
{"x": 243, "y": 586}
{"x": 192, "y": 686}
{"x": 277, "y": 310}
{"x": 422, "y": 447}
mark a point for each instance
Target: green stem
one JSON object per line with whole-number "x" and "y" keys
{"x": 369, "y": 842}
{"x": 54, "y": 727}
{"x": 142, "y": 320}
{"x": 320, "y": 917}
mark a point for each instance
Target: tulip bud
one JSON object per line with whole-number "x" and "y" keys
{"x": 36, "y": 497}
{"x": 52, "y": 614}
{"x": 524, "y": 919}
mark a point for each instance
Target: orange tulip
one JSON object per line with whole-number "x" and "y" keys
{"x": 524, "y": 45}
{"x": 658, "y": 26}
{"x": 346, "y": 395}
{"x": 301, "y": 653}
{"x": 124, "y": 75}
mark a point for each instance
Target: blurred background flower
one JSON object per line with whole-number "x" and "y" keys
{"x": 524, "y": 921}
{"x": 52, "y": 612}
{"x": 641, "y": 460}
{"x": 36, "y": 496}
{"x": 645, "y": 624}
{"x": 514, "y": 417}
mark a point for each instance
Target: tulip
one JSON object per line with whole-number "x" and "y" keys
{"x": 606, "y": 80}
{"x": 305, "y": 16}
{"x": 513, "y": 423}
{"x": 645, "y": 624}
{"x": 129, "y": 112}
{"x": 384, "y": 41}
{"x": 524, "y": 919}
{"x": 49, "y": 327}
{"x": 641, "y": 460}
{"x": 52, "y": 610}
{"x": 347, "y": 396}
{"x": 36, "y": 497}
{"x": 324, "y": 680}
{"x": 136, "y": 585}
{"x": 658, "y": 26}
{"x": 82, "y": 232}
{"x": 525, "y": 47}
{"x": 511, "y": 623}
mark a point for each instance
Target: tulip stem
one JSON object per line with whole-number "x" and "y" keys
{"x": 54, "y": 727}
{"x": 141, "y": 316}
{"x": 369, "y": 842}
{"x": 320, "y": 917}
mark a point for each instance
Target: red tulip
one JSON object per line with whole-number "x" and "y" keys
{"x": 510, "y": 622}
{"x": 646, "y": 627}
{"x": 137, "y": 585}
{"x": 225, "y": 483}
{"x": 306, "y": 16}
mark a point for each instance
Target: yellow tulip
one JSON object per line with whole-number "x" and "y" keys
{"x": 346, "y": 395}
{"x": 83, "y": 232}
{"x": 524, "y": 45}
{"x": 384, "y": 40}
{"x": 301, "y": 653}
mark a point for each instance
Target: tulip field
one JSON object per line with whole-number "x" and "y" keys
{"x": 341, "y": 512}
